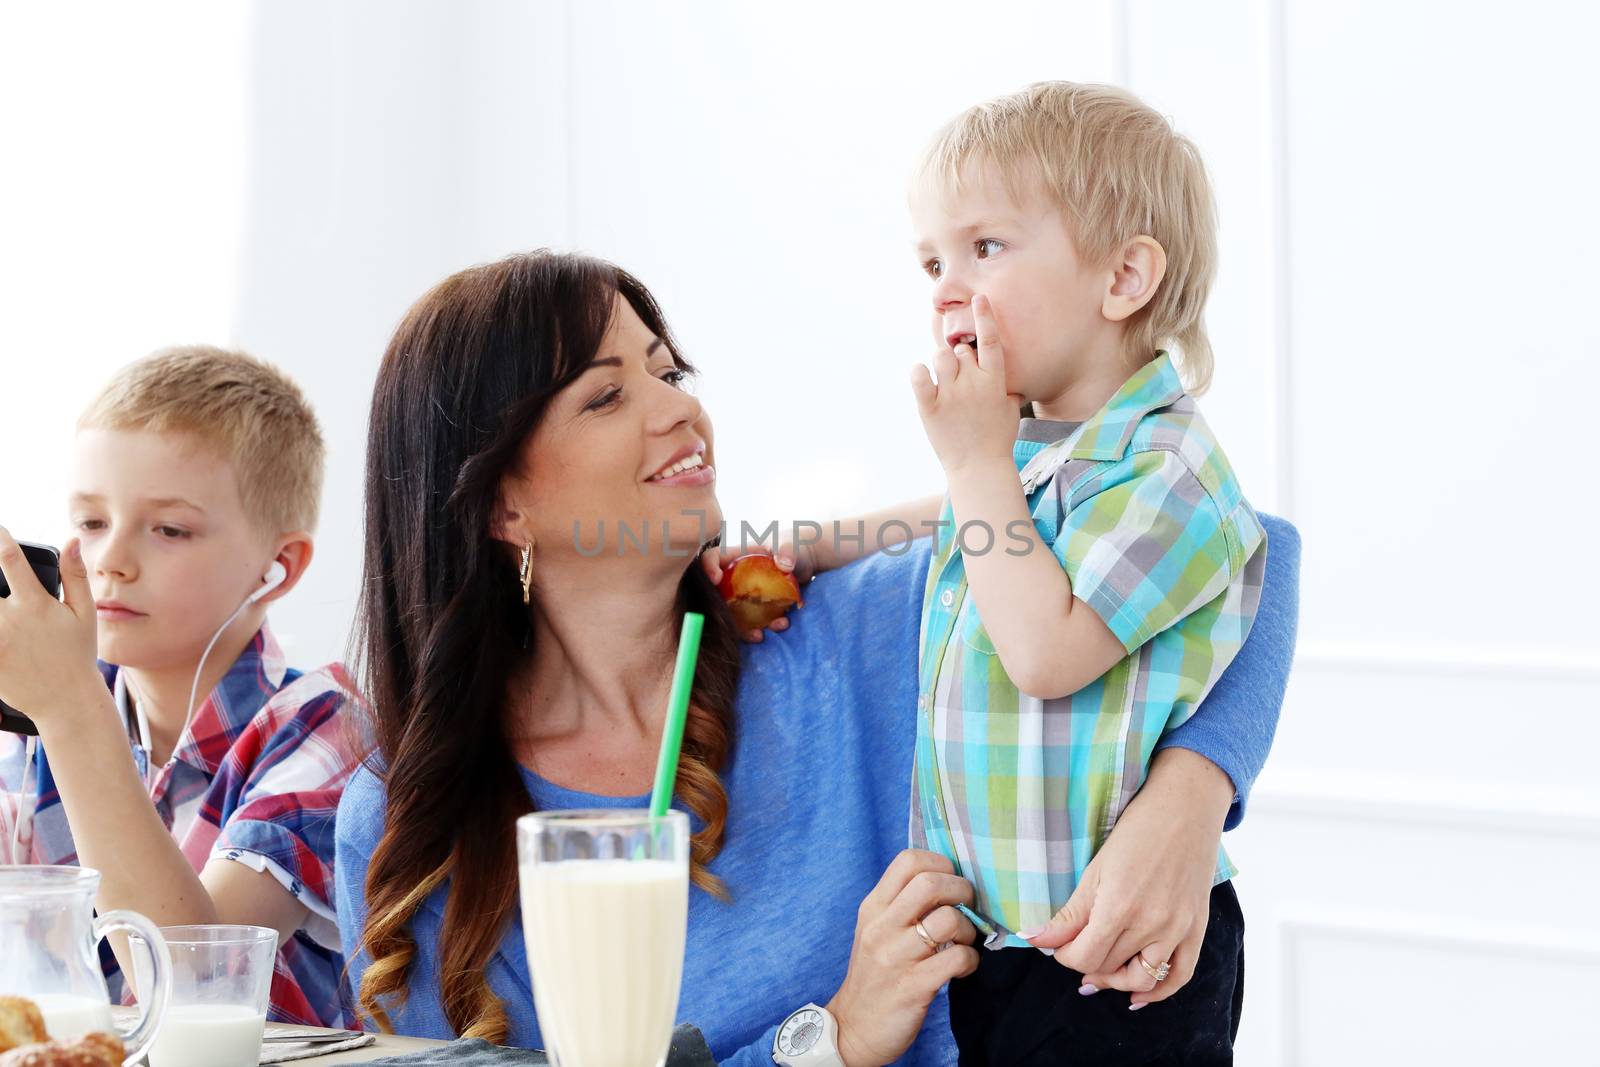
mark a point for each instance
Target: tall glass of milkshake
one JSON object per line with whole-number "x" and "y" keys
{"x": 605, "y": 904}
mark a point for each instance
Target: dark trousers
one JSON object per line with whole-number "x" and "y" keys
{"x": 1022, "y": 1007}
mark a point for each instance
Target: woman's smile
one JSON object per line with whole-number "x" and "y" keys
{"x": 687, "y": 469}
{"x": 690, "y": 476}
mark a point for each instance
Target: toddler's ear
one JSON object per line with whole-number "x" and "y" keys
{"x": 1134, "y": 277}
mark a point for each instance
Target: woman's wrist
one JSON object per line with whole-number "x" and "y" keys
{"x": 1188, "y": 786}
{"x": 849, "y": 1053}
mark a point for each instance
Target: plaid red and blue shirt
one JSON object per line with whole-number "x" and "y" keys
{"x": 255, "y": 779}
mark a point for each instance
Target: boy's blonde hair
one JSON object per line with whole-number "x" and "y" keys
{"x": 251, "y": 411}
{"x": 1118, "y": 170}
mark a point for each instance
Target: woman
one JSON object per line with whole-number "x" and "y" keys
{"x": 523, "y": 410}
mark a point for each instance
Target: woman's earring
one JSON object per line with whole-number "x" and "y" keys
{"x": 527, "y": 570}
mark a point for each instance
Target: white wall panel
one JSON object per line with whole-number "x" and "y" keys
{"x": 1443, "y": 222}
{"x": 1401, "y": 989}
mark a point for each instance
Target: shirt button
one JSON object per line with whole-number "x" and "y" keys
{"x": 922, "y": 702}
{"x": 947, "y": 598}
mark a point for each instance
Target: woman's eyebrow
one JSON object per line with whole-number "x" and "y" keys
{"x": 616, "y": 361}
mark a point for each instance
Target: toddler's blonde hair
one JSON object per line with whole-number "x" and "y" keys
{"x": 249, "y": 410}
{"x": 1117, "y": 169}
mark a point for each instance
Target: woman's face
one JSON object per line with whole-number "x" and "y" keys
{"x": 621, "y": 463}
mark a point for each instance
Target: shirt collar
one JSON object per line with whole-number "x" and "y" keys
{"x": 1107, "y": 433}
{"x": 238, "y": 698}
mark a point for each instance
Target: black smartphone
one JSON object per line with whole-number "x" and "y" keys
{"x": 46, "y": 564}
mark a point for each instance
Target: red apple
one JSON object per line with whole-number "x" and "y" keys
{"x": 757, "y": 590}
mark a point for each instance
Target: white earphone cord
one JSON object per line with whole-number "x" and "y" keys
{"x": 194, "y": 688}
{"x": 150, "y": 768}
{"x": 271, "y": 580}
{"x": 30, "y": 744}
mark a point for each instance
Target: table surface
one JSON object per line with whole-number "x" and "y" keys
{"x": 386, "y": 1045}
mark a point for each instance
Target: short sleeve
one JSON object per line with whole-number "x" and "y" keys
{"x": 360, "y": 827}
{"x": 285, "y": 777}
{"x": 1145, "y": 544}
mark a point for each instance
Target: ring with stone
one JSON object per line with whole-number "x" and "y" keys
{"x": 1158, "y": 973}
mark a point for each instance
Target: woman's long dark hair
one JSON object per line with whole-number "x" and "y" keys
{"x": 442, "y": 628}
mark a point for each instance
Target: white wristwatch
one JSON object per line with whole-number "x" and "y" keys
{"x": 808, "y": 1038}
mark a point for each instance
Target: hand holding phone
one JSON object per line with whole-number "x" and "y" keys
{"x": 46, "y": 564}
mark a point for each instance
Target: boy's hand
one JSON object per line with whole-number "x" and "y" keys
{"x": 799, "y": 561}
{"x": 47, "y": 647}
{"x": 969, "y": 417}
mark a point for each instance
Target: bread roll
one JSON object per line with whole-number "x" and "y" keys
{"x": 90, "y": 1050}
{"x": 20, "y": 1023}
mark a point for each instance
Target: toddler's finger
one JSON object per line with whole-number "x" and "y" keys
{"x": 711, "y": 562}
{"x": 922, "y": 388}
{"x": 990, "y": 355}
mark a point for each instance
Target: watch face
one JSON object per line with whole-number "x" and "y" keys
{"x": 800, "y": 1032}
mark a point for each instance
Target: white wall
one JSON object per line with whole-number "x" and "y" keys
{"x": 122, "y": 135}
{"x": 1407, "y": 221}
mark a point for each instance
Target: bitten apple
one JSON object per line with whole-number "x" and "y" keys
{"x": 758, "y": 590}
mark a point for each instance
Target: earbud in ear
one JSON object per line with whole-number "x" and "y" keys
{"x": 274, "y": 577}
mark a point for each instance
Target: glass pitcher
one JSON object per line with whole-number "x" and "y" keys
{"x": 48, "y": 953}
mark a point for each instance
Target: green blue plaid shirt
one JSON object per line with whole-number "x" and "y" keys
{"x": 1141, "y": 507}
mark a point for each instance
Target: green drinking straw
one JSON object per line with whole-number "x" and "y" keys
{"x": 677, "y": 713}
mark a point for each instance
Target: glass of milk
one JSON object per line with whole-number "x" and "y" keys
{"x": 221, "y": 982}
{"x": 605, "y": 904}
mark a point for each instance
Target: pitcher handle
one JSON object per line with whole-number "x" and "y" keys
{"x": 152, "y": 1000}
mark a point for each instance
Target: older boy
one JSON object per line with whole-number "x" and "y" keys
{"x": 190, "y": 766}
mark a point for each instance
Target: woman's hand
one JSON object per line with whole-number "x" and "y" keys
{"x": 47, "y": 647}
{"x": 894, "y": 974}
{"x": 1148, "y": 889}
{"x": 798, "y": 560}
